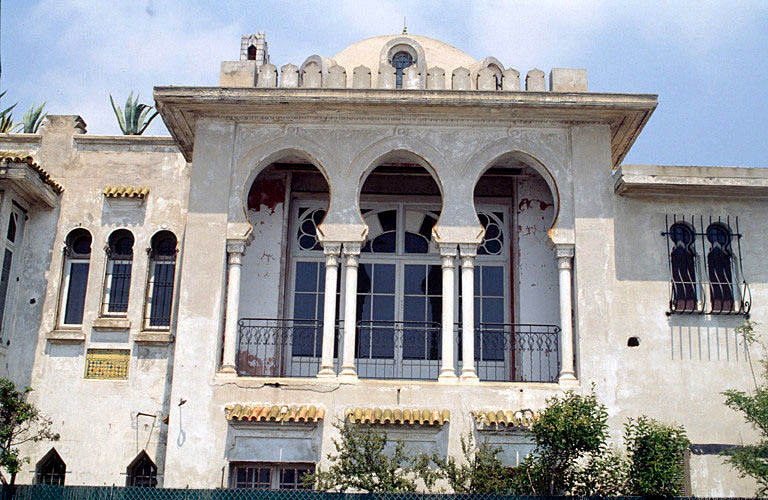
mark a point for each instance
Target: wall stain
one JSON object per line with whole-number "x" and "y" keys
{"x": 267, "y": 192}
{"x": 525, "y": 204}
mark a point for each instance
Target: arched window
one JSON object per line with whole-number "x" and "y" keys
{"x": 117, "y": 283}
{"x": 683, "y": 262}
{"x": 251, "y": 52}
{"x": 400, "y": 61}
{"x": 142, "y": 472}
{"x": 51, "y": 469}
{"x": 162, "y": 273}
{"x": 77, "y": 260}
{"x": 719, "y": 262}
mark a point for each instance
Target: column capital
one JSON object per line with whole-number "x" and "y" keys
{"x": 565, "y": 250}
{"x": 448, "y": 249}
{"x": 352, "y": 247}
{"x": 237, "y": 246}
{"x": 468, "y": 250}
{"x": 331, "y": 248}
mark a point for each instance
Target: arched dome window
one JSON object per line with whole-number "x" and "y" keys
{"x": 77, "y": 258}
{"x": 162, "y": 274}
{"x": 117, "y": 284}
{"x": 400, "y": 61}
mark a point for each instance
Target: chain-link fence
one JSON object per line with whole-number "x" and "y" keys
{"x": 45, "y": 492}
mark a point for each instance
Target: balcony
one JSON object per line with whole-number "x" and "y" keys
{"x": 398, "y": 350}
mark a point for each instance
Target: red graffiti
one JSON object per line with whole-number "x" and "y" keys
{"x": 525, "y": 204}
{"x": 267, "y": 192}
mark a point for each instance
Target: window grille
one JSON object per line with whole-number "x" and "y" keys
{"x": 117, "y": 284}
{"x": 77, "y": 256}
{"x": 705, "y": 264}
{"x": 51, "y": 469}
{"x": 400, "y": 61}
{"x": 160, "y": 284}
{"x": 142, "y": 472}
{"x": 267, "y": 476}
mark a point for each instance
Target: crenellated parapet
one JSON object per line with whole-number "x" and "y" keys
{"x": 401, "y": 63}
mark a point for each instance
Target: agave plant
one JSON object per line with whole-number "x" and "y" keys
{"x": 134, "y": 121}
{"x": 6, "y": 118}
{"x": 33, "y": 118}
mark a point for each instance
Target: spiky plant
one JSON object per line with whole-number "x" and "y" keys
{"x": 134, "y": 121}
{"x": 6, "y": 117}
{"x": 33, "y": 118}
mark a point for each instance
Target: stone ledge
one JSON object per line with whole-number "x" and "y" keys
{"x": 65, "y": 335}
{"x": 108, "y": 323}
{"x": 153, "y": 337}
{"x": 691, "y": 180}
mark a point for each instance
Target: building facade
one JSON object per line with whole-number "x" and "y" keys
{"x": 200, "y": 310}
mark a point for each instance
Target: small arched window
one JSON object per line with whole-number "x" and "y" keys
{"x": 77, "y": 260}
{"x": 251, "y": 52}
{"x": 117, "y": 283}
{"x": 400, "y": 61}
{"x": 719, "y": 265}
{"x": 51, "y": 469}
{"x": 683, "y": 262}
{"x": 142, "y": 472}
{"x": 162, "y": 274}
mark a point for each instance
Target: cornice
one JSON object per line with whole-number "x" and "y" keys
{"x": 181, "y": 107}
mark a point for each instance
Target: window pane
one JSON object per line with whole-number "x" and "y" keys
{"x": 493, "y": 281}
{"x": 364, "y": 279}
{"x": 78, "y": 281}
{"x": 493, "y": 311}
{"x": 120, "y": 285}
{"x": 385, "y": 243}
{"x": 435, "y": 280}
{"x": 414, "y": 309}
{"x": 4, "y": 279}
{"x": 384, "y": 278}
{"x": 415, "y": 243}
{"x": 415, "y": 280}
{"x": 162, "y": 294}
{"x": 306, "y": 276}
{"x": 304, "y": 306}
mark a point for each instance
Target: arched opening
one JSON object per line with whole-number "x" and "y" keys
{"x": 251, "y": 52}
{"x": 162, "y": 277}
{"x": 399, "y": 284}
{"x": 117, "y": 278}
{"x": 516, "y": 302}
{"x": 77, "y": 261}
{"x": 141, "y": 472}
{"x": 281, "y": 326}
{"x": 51, "y": 469}
{"x": 401, "y": 60}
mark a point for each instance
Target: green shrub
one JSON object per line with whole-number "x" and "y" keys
{"x": 656, "y": 454}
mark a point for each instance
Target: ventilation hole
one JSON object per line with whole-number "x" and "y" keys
{"x": 633, "y": 342}
{"x": 32, "y": 301}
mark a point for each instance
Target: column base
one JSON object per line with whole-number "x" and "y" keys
{"x": 326, "y": 373}
{"x": 568, "y": 380}
{"x": 448, "y": 377}
{"x": 227, "y": 370}
{"x": 469, "y": 377}
{"x": 348, "y": 376}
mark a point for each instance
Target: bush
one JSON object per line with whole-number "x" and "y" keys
{"x": 360, "y": 464}
{"x": 656, "y": 454}
{"x": 481, "y": 471}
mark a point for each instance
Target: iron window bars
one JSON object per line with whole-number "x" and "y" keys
{"x": 705, "y": 265}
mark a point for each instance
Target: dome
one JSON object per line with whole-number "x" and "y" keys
{"x": 427, "y": 53}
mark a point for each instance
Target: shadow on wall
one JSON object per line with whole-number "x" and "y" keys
{"x": 703, "y": 338}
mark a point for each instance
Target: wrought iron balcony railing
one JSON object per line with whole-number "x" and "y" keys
{"x": 398, "y": 350}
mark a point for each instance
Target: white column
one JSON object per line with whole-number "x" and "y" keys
{"x": 448, "y": 370}
{"x": 468, "y": 254}
{"x": 351, "y": 254}
{"x": 564, "y": 266}
{"x": 331, "y": 251}
{"x": 235, "y": 252}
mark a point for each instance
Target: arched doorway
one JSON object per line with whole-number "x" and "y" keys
{"x": 399, "y": 288}
{"x": 516, "y": 302}
{"x": 283, "y": 275}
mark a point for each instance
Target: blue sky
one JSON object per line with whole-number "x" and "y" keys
{"x": 707, "y": 61}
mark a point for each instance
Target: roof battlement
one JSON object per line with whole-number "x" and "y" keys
{"x": 422, "y": 64}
